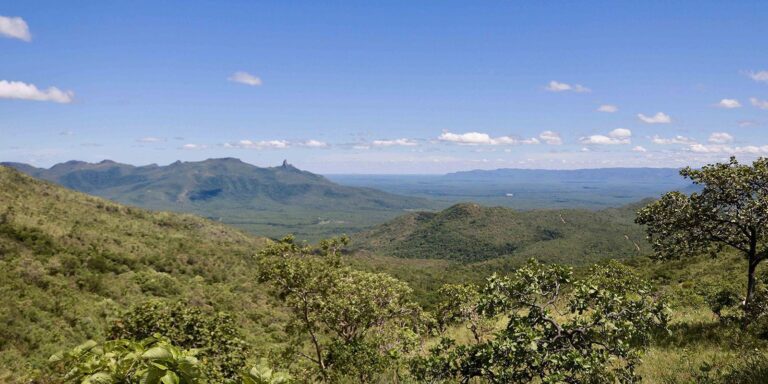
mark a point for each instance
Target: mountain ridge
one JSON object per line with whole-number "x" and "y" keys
{"x": 271, "y": 201}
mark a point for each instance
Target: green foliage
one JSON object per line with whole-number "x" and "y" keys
{"x": 214, "y": 335}
{"x": 730, "y": 211}
{"x": 263, "y": 374}
{"x": 151, "y": 361}
{"x": 345, "y": 323}
{"x": 608, "y": 316}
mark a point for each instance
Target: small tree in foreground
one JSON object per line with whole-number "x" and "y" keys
{"x": 557, "y": 331}
{"x": 345, "y": 323}
{"x": 730, "y": 211}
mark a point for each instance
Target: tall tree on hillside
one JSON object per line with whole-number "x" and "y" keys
{"x": 731, "y": 210}
{"x": 348, "y": 324}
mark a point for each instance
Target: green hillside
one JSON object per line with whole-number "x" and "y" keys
{"x": 470, "y": 232}
{"x": 69, "y": 263}
{"x": 271, "y": 201}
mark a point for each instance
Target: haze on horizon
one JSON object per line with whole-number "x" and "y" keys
{"x": 399, "y": 87}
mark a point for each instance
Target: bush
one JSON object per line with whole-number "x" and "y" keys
{"x": 221, "y": 349}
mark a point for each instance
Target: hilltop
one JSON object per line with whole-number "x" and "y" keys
{"x": 470, "y": 232}
{"x": 271, "y": 201}
{"x": 69, "y": 263}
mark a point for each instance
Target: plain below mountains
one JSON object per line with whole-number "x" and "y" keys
{"x": 271, "y": 201}
{"x": 469, "y": 232}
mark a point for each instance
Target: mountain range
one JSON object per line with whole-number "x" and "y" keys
{"x": 271, "y": 201}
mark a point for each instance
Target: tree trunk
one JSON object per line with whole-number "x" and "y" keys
{"x": 753, "y": 261}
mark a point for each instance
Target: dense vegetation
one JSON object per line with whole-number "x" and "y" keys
{"x": 92, "y": 291}
{"x": 469, "y": 232}
{"x": 71, "y": 264}
{"x": 271, "y": 202}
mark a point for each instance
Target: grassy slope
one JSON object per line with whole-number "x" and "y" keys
{"x": 470, "y": 232}
{"x": 70, "y": 262}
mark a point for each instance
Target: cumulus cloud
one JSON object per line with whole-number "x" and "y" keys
{"x": 762, "y": 104}
{"x": 556, "y": 86}
{"x": 720, "y": 138}
{"x": 245, "y": 78}
{"x": 761, "y": 76}
{"x": 261, "y": 144}
{"x": 639, "y": 148}
{"x": 24, "y": 91}
{"x": 617, "y": 136}
{"x": 192, "y": 147}
{"x": 656, "y": 139}
{"x": 658, "y": 118}
{"x": 14, "y": 28}
{"x": 478, "y": 138}
{"x": 608, "y": 108}
{"x": 314, "y": 144}
{"x": 729, "y": 104}
{"x": 395, "y": 142}
{"x": 551, "y": 138}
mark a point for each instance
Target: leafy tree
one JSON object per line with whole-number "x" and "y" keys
{"x": 355, "y": 324}
{"x": 214, "y": 334}
{"x": 557, "y": 331}
{"x": 151, "y": 361}
{"x": 460, "y": 304}
{"x": 731, "y": 210}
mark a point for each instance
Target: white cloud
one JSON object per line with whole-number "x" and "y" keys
{"x": 720, "y": 138}
{"x": 761, "y": 76}
{"x": 551, "y": 138}
{"x": 261, "y": 144}
{"x": 478, "y": 138}
{"x": 555, "y": 86}
{"x": 747, "y": 123}
{"x": 658, "y": 118}
{"x": 719, "y": 148}
{"x": 617, "y": 136}
{"x": 395, "y": 142}
{"x": 245, "y": 78}
{"x": 314, "y": 144}
{"x": 656, "y": 139}
{"x": 608, "y": 108}
{"x": 729, "y": 104}
{"x": 150, "y": 139}
{"x": 24, "y": 91}
{"x": 192, "y": 147}
{"x": 639, "y": 148}
{"x": 762, "y": 104}
{"x": 15, "y": 28}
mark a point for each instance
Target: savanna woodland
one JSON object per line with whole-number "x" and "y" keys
{"x": 96, "y": 292}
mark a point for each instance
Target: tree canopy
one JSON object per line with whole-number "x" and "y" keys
{"x": 730, "y": 210}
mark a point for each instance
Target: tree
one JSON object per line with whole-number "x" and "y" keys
{"x": 346, "y": 323}
{"x": 460, "y": 304}
{"x": 557, "y": 331}
{"x": 151, "y": 361}
{"x": 731, "y": 210}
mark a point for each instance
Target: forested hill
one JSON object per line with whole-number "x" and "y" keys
{"x": 69, "y": 263}
{"x": 271, "y": 201}
{"x": 470, "y": 232}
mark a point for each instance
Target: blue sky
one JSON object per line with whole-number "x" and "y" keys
{"x": 388, "y": 87}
